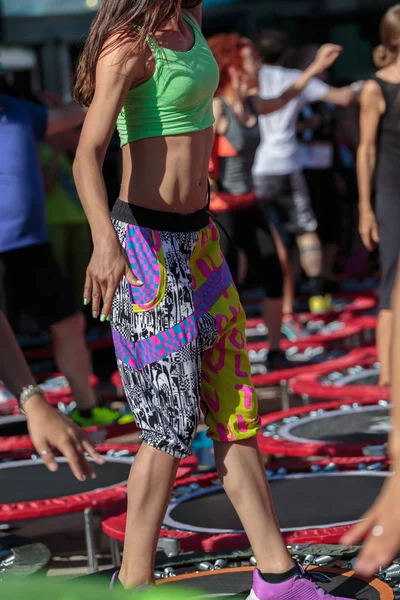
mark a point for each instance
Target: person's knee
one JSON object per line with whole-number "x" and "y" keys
{"x": 72, "y": 326}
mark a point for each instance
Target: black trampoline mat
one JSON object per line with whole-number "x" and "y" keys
{"x": 13, "y": 427}
{"x": 34, "y": 482}
{"x": 301, "y": 502}
{"x": 368, "y": 426}
{"x": 237, "y": 584}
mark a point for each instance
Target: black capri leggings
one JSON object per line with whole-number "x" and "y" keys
{"x": 249, "y": 231}
{"x": 325, "y": 203}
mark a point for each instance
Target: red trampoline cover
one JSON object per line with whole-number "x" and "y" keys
{"x": 278, "y": 377}
{"x": 114, "y": 526}
{"x": 15, "y": 446}
{"x": 309, "y": 384}
{"x": 343, "y": 336}
{"x": 276, "y": 446}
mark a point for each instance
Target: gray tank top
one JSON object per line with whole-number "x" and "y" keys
{"x": 235, "y": 171}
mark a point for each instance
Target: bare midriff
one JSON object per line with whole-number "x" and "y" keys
{"x": 168, "y": 173}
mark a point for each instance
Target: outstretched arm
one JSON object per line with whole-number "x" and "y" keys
{"x": 47, "y": 427}
{"x": 326, "y": 56}
{"x": 343, "y": 96}
{"x": 64, "y": 118}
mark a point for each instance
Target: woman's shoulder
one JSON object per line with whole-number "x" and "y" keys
{"x": 122, "y": 57}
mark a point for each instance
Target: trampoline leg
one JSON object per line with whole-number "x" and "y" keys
{"x": 285, "y": 396}
{"x": 115, "y": 553}
{"x": 90, "y": 541}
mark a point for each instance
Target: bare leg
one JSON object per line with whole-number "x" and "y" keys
{"x": 289, "y": 285}
{"x": 310, "y": 254}
{"x": 243, "y": 476}
{"x": 149, "y": 490}
{"x": 272, "y": 315}
{"x": 384, "y": 344}
{"x": 73, "y": 359}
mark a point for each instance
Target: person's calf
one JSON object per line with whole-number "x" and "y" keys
{"x": 310, "y": 254}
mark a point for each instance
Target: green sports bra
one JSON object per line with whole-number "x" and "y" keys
{"x": 177, "y": 99}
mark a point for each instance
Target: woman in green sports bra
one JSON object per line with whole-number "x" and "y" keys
{"x": 157, "y": 272}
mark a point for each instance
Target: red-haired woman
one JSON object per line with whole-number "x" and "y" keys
{"x": 178, "y": 326}
{"x": 233, "y": 200}
{"x": 378, "y": 158}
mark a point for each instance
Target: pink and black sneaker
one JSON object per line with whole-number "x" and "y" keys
{"x": 298, "y": 587}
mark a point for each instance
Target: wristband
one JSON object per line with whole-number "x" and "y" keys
{"x": 357, "y": 86}
{"x": 26, "y": 393}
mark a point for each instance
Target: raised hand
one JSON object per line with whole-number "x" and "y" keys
{"x": 326, "y": 56}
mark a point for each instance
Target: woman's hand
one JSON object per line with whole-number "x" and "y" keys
{"x": 108, "y": 265}
{"x": 368, "y": 228}
{"x": 381, "y": 528}
{"x": 49, "y": 428}
{"x": 326, "y": 56}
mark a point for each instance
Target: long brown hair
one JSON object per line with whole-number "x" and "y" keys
{"x": 386, "y": 53}
{"x": 124, "y": 21}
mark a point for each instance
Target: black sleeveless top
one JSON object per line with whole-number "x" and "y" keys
{"x": 388, "y": 166}
{"x": 236, "y": 164}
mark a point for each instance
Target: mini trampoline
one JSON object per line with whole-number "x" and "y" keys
{"x": 29, "y": 491}
{"x": 354, "y": 304}
{"x": 327, "y": 429}
{"x": 20, "y": 557}
{"x": 56, "y": 390}
{"x": 345, "y": 334}
{"x": 236, "y": 583}
{"x": 316, "y": 505}
{"x": 352, "y": 377}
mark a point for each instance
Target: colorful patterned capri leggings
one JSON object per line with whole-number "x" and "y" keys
{"x": 180, "y": 339}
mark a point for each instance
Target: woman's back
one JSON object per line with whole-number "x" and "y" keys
{"x": 389, "y": 131}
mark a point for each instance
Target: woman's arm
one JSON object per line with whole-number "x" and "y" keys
{"x": 381, "y": 525}
{"x": 114, "y": 77}
{"x": 116, "y": 73}
{"x": 14, "y": 371}
{"x": 372, "y": 107}
{"x": 47, "y": 427}
{"x": 325, "y": 58}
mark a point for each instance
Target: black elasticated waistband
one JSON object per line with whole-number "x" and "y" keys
{"x": 159, "y": 220}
